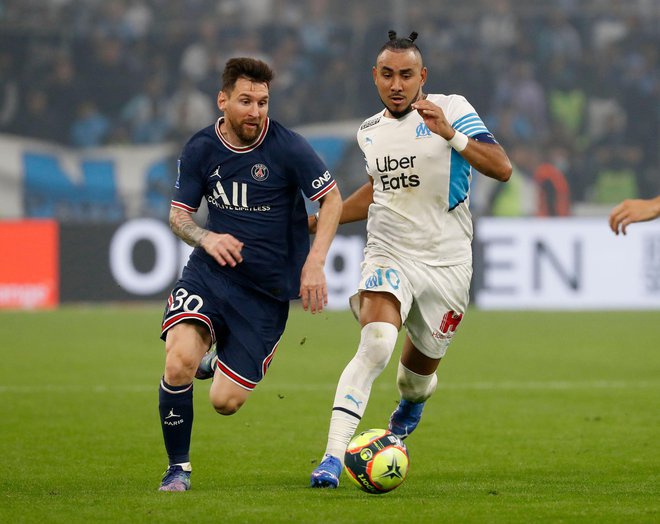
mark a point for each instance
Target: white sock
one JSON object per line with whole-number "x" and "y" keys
{"x": 413, "y": 386}
{"x": 377, "y": 343}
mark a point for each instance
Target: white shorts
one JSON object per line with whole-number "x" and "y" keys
{"x": 433, "y": 298}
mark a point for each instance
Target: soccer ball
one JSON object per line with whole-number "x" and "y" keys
{"x": 376, "y": 461}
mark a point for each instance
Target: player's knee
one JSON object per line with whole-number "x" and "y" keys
{"x": 227, "y": 406}
{"x": 415, "y": 387}
{"x": 377, "y": 344}
{"x": 180, "y": 368}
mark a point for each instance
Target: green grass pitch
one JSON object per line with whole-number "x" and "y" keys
{"x": 539, "y": 417}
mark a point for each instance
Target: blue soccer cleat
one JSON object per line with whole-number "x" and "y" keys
{"x": 206, "y": 367}
{"x": 405, "y": 418}
{"x": 176, "y": 478}
{"x": 326, "y": 474}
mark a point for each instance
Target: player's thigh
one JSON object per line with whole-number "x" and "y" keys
{"x": 187, "y": 338}
{"x": 189, "y": 325}
{"x": 379, "y": 307}
{"x": 384, "y": 293}
{"x": 438, "y": 310}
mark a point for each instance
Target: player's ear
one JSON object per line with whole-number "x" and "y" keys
{"x": 222, "y": 100}
{"x": 423, "y": 74}
{"x": 374, "y": 72}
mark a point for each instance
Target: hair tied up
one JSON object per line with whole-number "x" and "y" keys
{"x": 413, "y": 36}
{"x": 392, "y": 34}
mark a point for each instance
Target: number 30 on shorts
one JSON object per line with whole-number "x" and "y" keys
{"x": 181, "y": 299}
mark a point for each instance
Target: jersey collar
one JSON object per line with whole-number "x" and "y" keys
{"x": 242, "y": 149}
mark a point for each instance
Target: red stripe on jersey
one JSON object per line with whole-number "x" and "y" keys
{"x": 323, "y": 191}
{"x": 235, "y": 377}
{"x": 188, "y": 315}
{"x": 242, "y": 149}
{"x": 185, "y": 207}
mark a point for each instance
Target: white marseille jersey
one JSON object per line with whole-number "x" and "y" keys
{"x": 421, "y": 185}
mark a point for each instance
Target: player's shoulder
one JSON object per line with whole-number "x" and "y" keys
{"x": 371, "y": 121}
{"x": 454, "y": 106}
{"x": 202, "y": 139}
{"x": 443, "y": 100}
{"x": 284, "y": 136}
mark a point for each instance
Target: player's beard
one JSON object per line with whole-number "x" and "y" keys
{"x": 404, "y": 112}
{"x": 247, "y": 135}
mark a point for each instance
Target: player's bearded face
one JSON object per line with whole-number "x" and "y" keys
{"x": 399, "y": 77}
{"x": 245, "y": 109}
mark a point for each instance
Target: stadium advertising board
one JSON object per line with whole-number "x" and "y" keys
{"x": 141, "y": 259}
{"x": 29, "y": 265}
{"x": 575, "y": 263}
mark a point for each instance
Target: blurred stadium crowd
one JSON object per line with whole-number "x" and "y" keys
{"x": 572, "y": 83}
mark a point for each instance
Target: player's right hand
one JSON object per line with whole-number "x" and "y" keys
{"x": 223, "y": 247}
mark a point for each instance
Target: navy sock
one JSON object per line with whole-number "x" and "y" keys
{"x": 175, "y": 404}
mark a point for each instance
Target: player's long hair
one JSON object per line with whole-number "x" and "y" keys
{"x": 400, "y": 44}
{"x": 250, "y": 68}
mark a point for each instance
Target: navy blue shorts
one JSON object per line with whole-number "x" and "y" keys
{"x": 245, "y": 325}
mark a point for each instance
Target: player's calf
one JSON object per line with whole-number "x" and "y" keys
{"x": 415, "y": 389}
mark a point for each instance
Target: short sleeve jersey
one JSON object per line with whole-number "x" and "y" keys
{"x": 421, "y": 184}
{"x": 255, "y": 193}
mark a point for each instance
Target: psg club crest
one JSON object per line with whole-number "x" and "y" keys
{"x": 259, "y": 172}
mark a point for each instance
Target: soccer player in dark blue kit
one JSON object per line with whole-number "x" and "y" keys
{"x": 250, "y": 259}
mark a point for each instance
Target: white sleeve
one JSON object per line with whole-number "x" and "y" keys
{"x": 464, "y": 118}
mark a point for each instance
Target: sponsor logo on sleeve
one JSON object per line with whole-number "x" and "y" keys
{"x": 370, "y": 123}
{"x": 320, "y": 181}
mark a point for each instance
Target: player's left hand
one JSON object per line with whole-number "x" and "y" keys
{"x": 434, "y": 118}
{"x": 313, "y": 287}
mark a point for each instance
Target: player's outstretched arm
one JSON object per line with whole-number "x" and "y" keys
{"x": 634, "y": 210}
{"x": 224, "y": 248}
{"x": 356, "y": 206}
{"x": 313, "y": 286}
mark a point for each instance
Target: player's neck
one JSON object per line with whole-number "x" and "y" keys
{"x": 228, "y": 134}
{"x": 231, "y": 137}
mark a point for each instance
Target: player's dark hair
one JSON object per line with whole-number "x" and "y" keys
{"x": 250, "y": 68}
{"x": 400, "y": 44}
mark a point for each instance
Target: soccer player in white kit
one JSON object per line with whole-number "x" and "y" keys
{"x": 419, "y": 155}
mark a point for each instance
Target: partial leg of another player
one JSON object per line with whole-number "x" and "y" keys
{"x": 185, "y": 345}
{"x": 380, "y": 318}
{"x": 416, "y": 380}
{"x": 226, "y": 396}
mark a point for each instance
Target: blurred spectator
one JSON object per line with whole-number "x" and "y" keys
{"x": 64, "y": 89}
{"x": 9, "y": 92}
{"x": 37, "y": 118}
{"x": 146, "y": 114}
{"x": 91, "y": 127}
{"x": 190, "y": 109}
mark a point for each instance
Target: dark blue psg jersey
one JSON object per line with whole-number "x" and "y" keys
{"x": 254, "y": 194}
